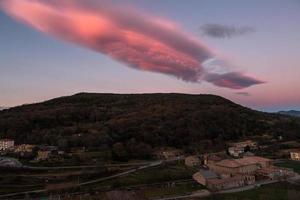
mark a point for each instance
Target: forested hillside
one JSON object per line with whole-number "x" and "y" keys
{"x": 140, "y": 121}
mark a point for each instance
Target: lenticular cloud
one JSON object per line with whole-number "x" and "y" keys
{"x": 140, "y": 41}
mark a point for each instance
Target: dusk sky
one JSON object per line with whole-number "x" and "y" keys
{"x": 246, "y": 51}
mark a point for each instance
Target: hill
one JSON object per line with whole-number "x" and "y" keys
{"x": 290, "y": 113}
{"x": 2, "y": 108}
{"x": 136, "y": 123}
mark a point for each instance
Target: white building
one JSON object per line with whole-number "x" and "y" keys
{"x": 235, "y": 151}
{"x": 6, "y": 144}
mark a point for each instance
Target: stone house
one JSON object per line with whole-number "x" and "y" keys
{"x": 43, "y": 155}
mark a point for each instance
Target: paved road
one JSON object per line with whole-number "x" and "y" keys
{"x": 153, "y": 164}
{"x": 295, "y": 179}
{"x": 88, "y": 166}
{"x": 22, "y": 193}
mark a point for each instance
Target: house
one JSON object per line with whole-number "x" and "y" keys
{"x": 46, "y": 152}
{"x": 169, "y": 153}
{"x": 53, "y": 156}
{"x": 24, "y": 148}
{"x": 192, "y": 161}
{"x": 236, "y": 151}
{"x": 203, "y": 175}
{"x": 43, "y": 155}
{"x": 247, "y": 143}
{"x": 295, "y": 155}
{"x": 6, "y": 144}
{"x": 212, "y": 181}
{"x": 245, "y": 165}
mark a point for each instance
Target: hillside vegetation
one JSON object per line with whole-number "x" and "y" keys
{"x": 133, "y": 125}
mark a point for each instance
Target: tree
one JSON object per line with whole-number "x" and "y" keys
{"x": 119, "y": 152}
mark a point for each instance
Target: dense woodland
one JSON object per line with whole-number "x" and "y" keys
{"x": 133, "y": 125}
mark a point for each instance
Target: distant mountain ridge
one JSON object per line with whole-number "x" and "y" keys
{"x": 294, "y": 113}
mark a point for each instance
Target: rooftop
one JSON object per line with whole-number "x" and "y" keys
{"x": 245, "y": 142}
{"x": 248, "y": 160}
{"x": 296, "y": 151}
{"x": 208, "y": 174}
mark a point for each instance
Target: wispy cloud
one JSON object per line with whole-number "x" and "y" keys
{"x": 246, "y": 94}
{"x": 140, "y": 41}
{"x": 224, "y": 31}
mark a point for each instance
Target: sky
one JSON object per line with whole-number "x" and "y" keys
{"x": 248, "y": 52}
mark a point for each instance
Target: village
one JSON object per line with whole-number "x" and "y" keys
{"x": 235, "y": 169}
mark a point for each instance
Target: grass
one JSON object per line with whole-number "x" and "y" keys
{"x": 161, "y": 174}
{"x": 153, "y": 175}
{"x": 102, "y": 155}
{"x": 180, "y": 189}
{"x": 277, "y": 191}
{"x": 290, "y": 164}
{"x": 6, "y": 189}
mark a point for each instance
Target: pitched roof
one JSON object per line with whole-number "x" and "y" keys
{"x": 248, "y": 160}
{"x": 207, "y": 174}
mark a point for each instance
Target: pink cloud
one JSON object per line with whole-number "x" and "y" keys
{"x": 140, "y": 41}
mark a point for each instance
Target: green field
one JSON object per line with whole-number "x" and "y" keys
{"x": 290, "y": 164}
{"x": 153, "y": 175}
{"x": 179, "y": 189}
{"x": 277, "y": 191}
